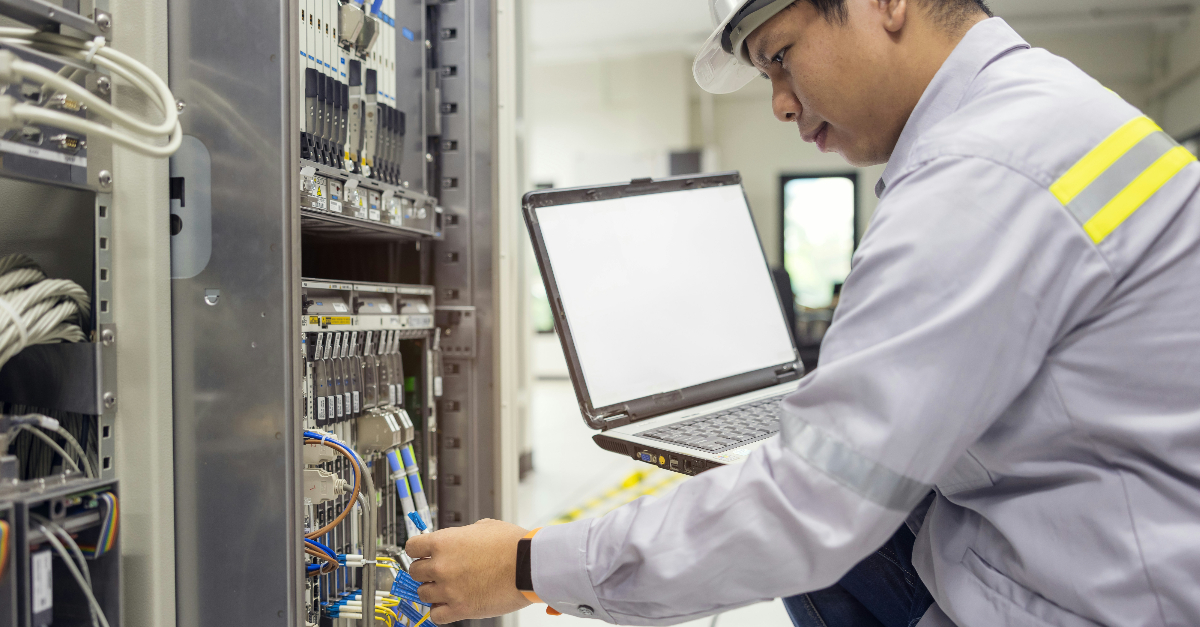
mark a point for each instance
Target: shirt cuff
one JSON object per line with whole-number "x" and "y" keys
{"x": 560, "y": 576}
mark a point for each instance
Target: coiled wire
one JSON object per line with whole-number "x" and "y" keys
{"x": 35, "y": 309}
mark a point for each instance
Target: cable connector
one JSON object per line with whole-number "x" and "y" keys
{"x": 321, "y": 486}
{"x": 315, "y": 454}
{"x": 7, "y": 75}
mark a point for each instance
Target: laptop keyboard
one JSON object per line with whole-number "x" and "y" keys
{"x": 725, "y": 429}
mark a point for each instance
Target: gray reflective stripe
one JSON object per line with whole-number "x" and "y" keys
{"x": 1119, "y": 175}
{"x": 863, "y": 476}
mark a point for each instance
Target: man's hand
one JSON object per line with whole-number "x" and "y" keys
{"x": 470, "y": 572}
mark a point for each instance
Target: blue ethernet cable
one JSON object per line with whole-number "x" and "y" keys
{"x": 414, "y": 481}
{"x": 406, "y": 501}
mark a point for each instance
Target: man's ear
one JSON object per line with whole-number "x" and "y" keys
{"x": 894, "y": 14}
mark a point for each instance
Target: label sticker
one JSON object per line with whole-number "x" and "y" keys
{"x": 42, "y": 578}
{"x": 340, "y": 410}
{"x": 335, "y": 206}
{"x": 373, "y": 214}
{"x": 321, "y": 409}
{"x": 340, "y": 307}
{"x": 337, "y": 320}
{"x": 391, "y": 394}
{"x": 385, "y": 308}
{"x": 314, "y": 319}
{"x": 356, "y": 410}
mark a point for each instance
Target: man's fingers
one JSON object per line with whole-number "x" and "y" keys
{"x": 445, "y": 614}
{"x": 421, "y": 570}
{"x": 432, "y": 593}
{"x": 419, "y": 546}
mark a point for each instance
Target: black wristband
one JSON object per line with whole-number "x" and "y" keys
{"x": 524, "y": 564}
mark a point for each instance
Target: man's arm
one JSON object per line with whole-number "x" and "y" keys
{"x": 966, "y": 277}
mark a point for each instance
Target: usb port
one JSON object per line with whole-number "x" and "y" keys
{"x": 674, "y": 464}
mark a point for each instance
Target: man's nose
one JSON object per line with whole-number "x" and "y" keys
{"x": 784, "y": 104}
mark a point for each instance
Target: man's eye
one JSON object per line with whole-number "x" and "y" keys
{"x": 778, "y": 58}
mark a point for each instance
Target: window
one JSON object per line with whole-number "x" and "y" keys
{"x": 819, "y": 234}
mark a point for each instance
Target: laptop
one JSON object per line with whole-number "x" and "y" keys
{"x": 674, "y": 335}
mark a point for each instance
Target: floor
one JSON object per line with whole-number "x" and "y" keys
{"x": 573, "y": 478}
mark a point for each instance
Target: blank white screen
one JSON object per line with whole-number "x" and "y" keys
{"x": 664, "y": 291}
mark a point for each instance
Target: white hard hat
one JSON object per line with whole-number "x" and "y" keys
{"x": 722, "y": 65}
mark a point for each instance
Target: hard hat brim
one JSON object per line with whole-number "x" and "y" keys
{"x": 717, "y": 71}
{"x": 721, "y": 72}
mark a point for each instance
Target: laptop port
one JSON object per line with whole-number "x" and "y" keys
{"x": 674, "y": 464}
{"x": 647, "y": 457}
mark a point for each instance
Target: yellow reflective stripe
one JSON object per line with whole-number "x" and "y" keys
{"x": 1137, "y": 193}
{"x": 1068, "y": 186}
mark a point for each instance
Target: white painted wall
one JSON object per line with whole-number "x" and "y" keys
{"x": 608, "y": 120}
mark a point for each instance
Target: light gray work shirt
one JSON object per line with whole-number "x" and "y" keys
{"x": 1020, "y": 333}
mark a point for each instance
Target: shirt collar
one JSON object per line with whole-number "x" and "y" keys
{"x": 985, "y": 42}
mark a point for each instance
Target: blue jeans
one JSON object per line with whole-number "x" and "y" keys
{"x": 883, "y": 590}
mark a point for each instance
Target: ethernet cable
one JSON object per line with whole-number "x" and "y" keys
{"x": 5, "y": 536}
{"x": 312, "y": 437}
{"x": 28, "y": 421}
{"x": 35, "y": 309}
{"x": 84, "y": 581}
{"x": 98, "y": 53}
{"x": 67, "y": 459}
{"x": 369, "y": 521}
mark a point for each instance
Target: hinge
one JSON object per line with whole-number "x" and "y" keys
{"x": 615, "y": 420}
{"x": 785, "y": 370}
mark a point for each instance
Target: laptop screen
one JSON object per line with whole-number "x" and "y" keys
{"x": 664, "y": 291}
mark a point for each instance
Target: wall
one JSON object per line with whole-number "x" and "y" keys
{"x": 615, "y": 119}
{"x": 607, "y": 120}
{"x": 1179, "y": 108}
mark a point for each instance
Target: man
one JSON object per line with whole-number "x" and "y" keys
{"x": 1019, "y": 334}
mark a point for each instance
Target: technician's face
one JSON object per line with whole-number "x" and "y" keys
{"x": 832, "y": 79}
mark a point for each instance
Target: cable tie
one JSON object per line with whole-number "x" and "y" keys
{"x": 94, "y": 46}
{"x": 17, "y": 321}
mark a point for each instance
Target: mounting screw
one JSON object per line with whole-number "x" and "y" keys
{"x": 105, "y": 178}
{"x": 107, "y": 337}
{"x": 110, "y": 400}
{"x": 180, "y": 106}
{"x": 428, "y": 45}
{"x": 103, "y": 21}
{"x": 429, "y": 157}
{"x": 103, "y": 85}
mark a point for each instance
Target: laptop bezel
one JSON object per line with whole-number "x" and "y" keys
{"x": 616, "y": 415}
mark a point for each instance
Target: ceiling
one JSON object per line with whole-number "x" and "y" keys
{"x": 573, "y": 30}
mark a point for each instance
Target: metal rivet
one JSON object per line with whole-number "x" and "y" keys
{"x": 110, "y": 399}
{"x": 107, "y": 337}
{"x": 105, "y": 178}
{"x": 103, "y": 20}
{"x": 103, "y": 85}
{"x": 180, "y": 106}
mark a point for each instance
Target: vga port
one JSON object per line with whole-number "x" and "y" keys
{"x": 647, "y": 457}
{"x": 66, "y": 142}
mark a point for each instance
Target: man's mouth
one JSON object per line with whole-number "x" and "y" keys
{"x": 818, "y": 137}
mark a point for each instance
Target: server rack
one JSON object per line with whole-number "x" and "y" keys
{"x": 253, "y": 190}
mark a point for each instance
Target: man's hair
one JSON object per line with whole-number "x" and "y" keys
{"x": 949, "y": 13}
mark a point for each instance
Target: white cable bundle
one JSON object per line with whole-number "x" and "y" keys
{"x": 13, "y": 69}
{"x": 37, "y": 310}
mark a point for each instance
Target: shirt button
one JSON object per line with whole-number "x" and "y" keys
{"x": 586, "y": 610}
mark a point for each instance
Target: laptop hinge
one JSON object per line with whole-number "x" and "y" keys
{"x": 784, "y": 372}
{"x": 612, "y": 421}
